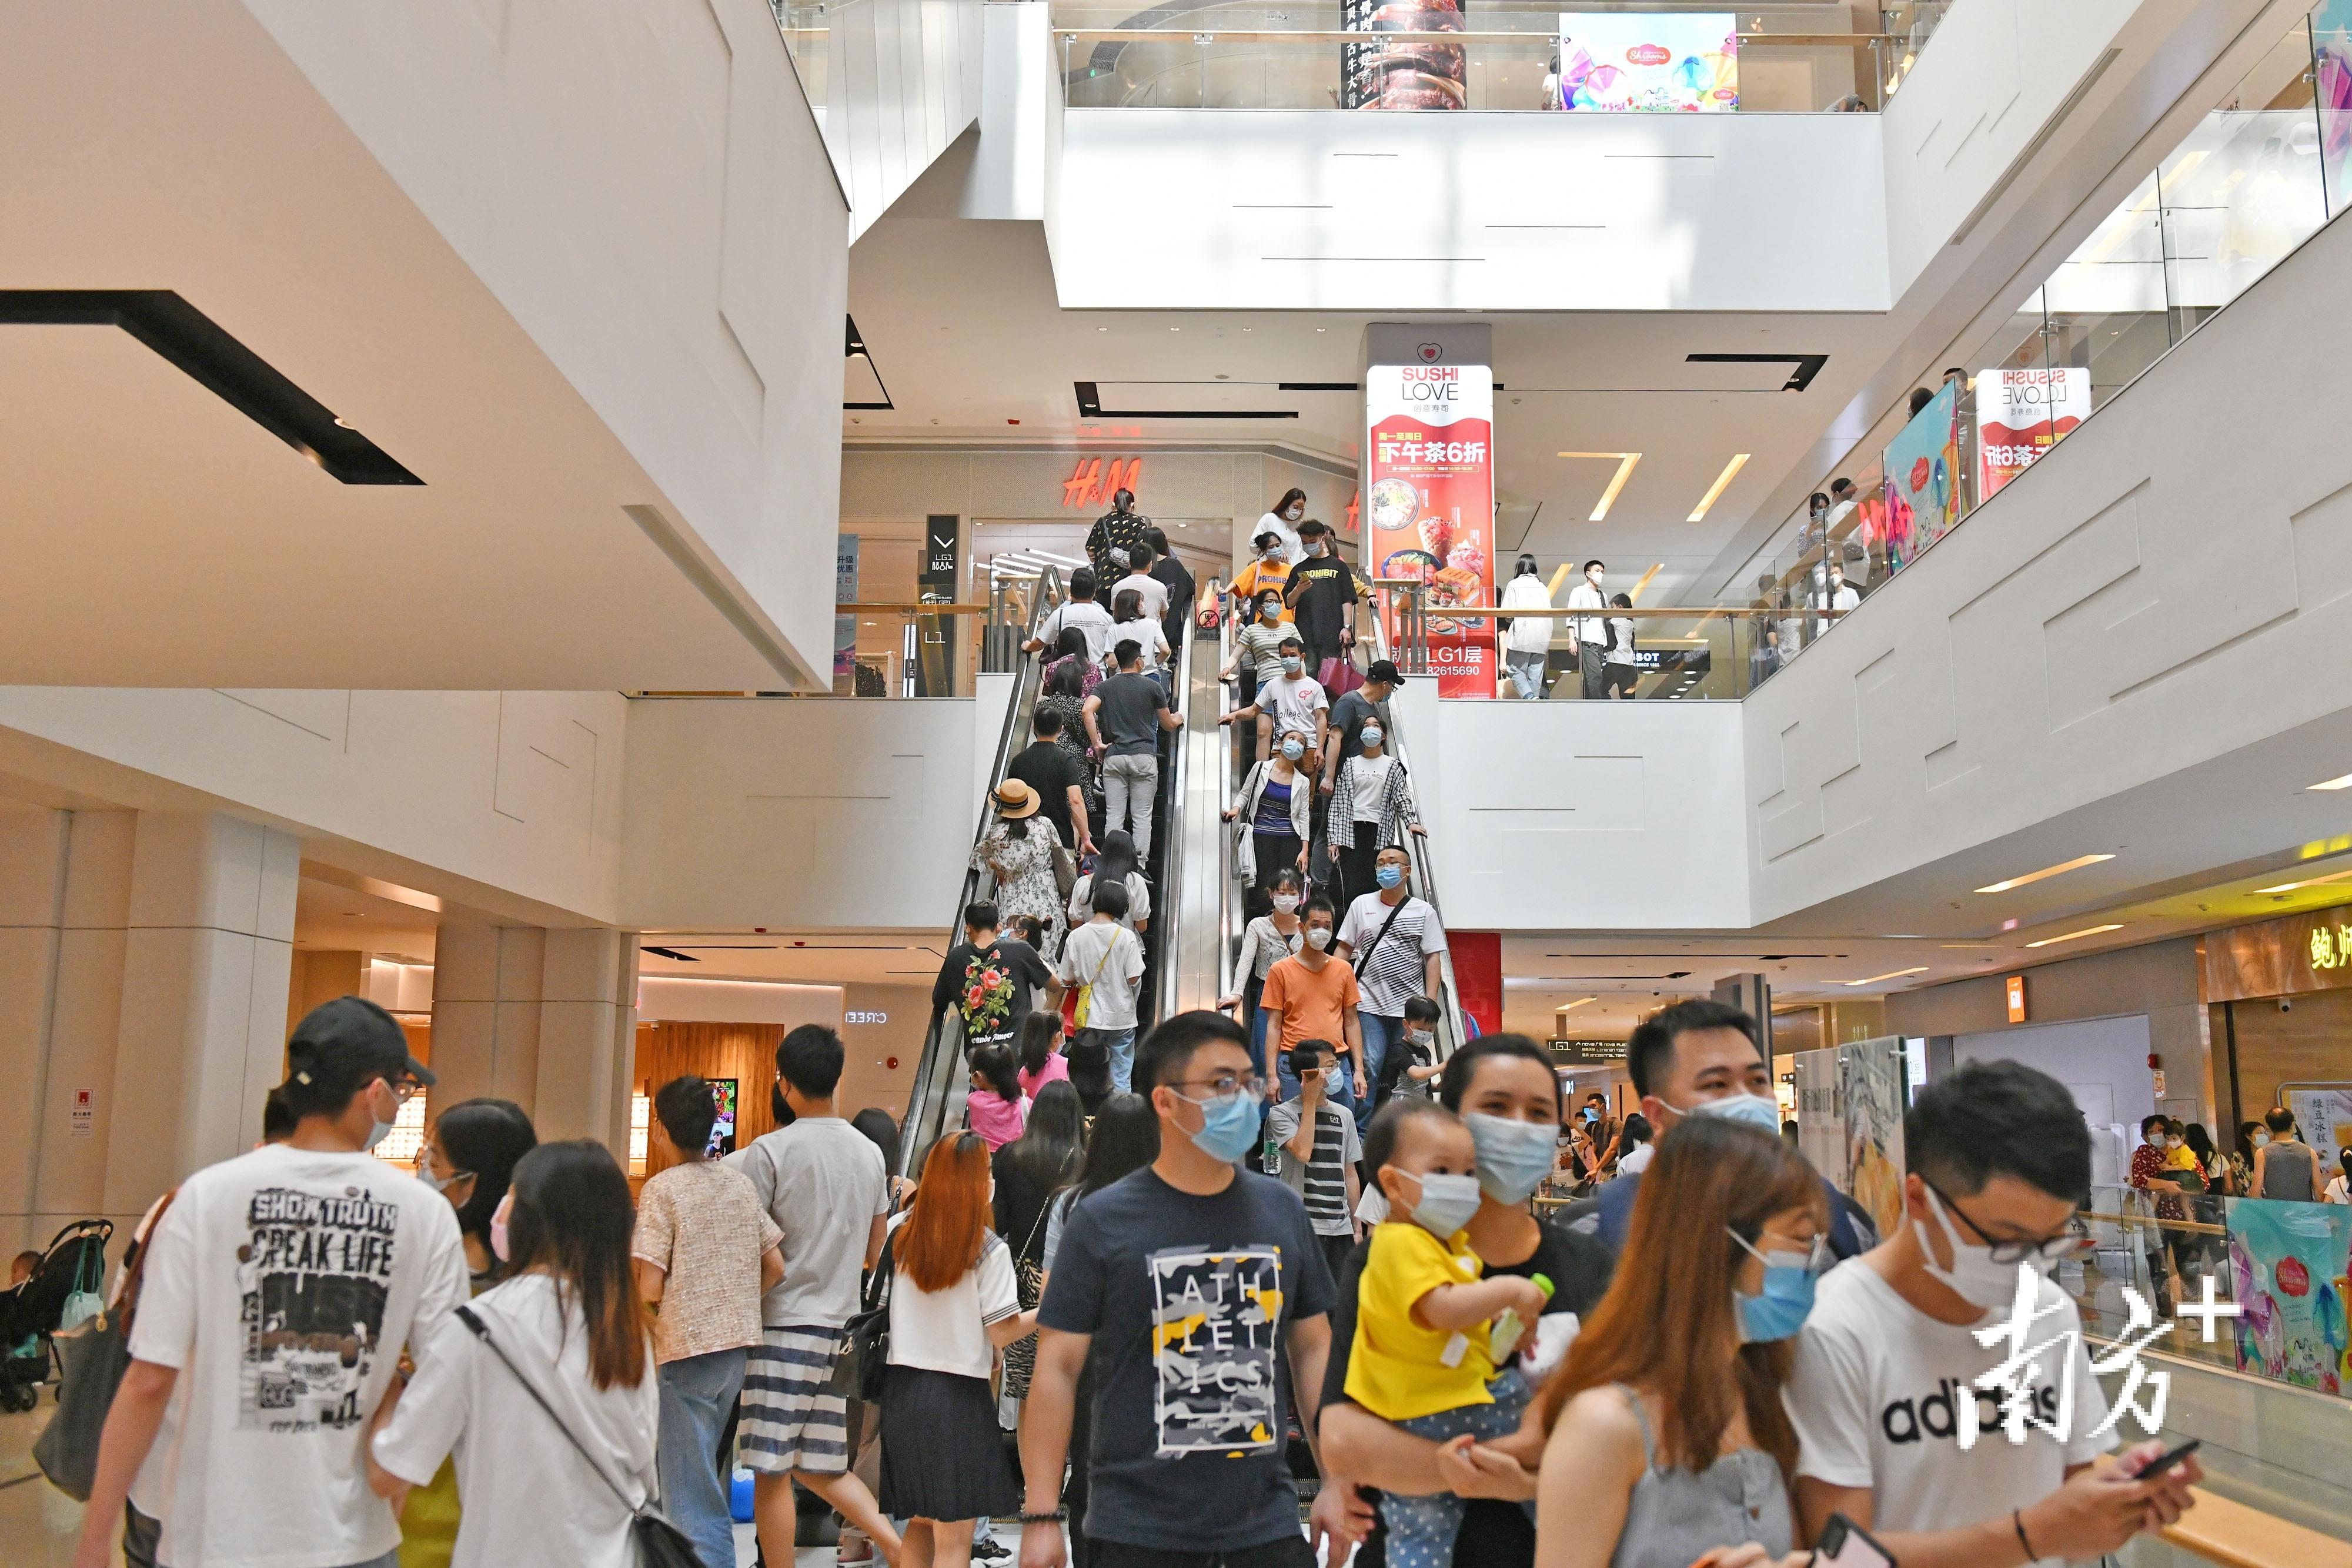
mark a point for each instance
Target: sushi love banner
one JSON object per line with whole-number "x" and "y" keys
{"x": 1428, "y": 505}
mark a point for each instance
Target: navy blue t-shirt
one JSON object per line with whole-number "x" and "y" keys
{"x": 1188, "y": 1300}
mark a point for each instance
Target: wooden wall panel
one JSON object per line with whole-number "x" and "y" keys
{"x": 2311, "y": 1044}
{"x": 743, "y": 1051}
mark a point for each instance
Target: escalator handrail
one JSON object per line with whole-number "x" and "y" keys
{"x": 1422, "y": 885}
{"x": 929, "y": 1100}
{"x": 1166, "y": 917}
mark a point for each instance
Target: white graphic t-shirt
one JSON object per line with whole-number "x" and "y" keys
{"x": 282, "y": 1285}
{"x": 1876, "y": 1398}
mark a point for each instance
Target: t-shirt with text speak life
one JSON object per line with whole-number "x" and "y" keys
{"x": 1130, "y": 716}
{"x": 1397, "y": 970}
{"x": 282, "y": 1285}
{"x": 1188, "y": 1300}
{"x": 530, "y": 1497}
{"x": 1877, "y": 1396}
{"x": 822, "y": 1181}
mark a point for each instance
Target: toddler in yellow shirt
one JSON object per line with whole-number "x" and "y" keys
{"x": 1420, "y": 1358}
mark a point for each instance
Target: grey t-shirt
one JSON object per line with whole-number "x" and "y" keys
{"x": 822, "y": 1181}
{"x": 1129, "y": 720}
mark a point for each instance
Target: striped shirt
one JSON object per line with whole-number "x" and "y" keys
{"x": 1323, "y": 1182}
{"x": 1394, "y": 974}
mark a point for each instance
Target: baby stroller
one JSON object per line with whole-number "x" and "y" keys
{"x": 72, "y": 1266}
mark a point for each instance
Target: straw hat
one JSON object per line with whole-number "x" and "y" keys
{"x": 1015, "y": 799}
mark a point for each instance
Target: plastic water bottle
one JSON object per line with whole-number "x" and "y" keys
{"x": 1509, "y": 1327}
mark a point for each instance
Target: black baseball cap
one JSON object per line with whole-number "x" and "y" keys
{"x": 1385, "y": 671}
{"x": 348, "y": 1041}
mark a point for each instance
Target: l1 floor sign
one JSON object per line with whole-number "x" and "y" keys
{"x": 1429, "y": 505}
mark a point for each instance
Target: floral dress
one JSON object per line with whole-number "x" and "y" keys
{"x": 1024, "y": 877}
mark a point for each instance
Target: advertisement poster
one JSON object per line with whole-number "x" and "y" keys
{"x": 2331, "y": 74}
{"x": 2287, "y": 1268}
{"x": 722, "y": 1131}
{"x": 1408, "y": 74}
{"x": 1872, "y": 1090}
{"x": 1429, "y": 505}
{"x": 1612, "y": 62}
{"x": 2021, "y": 414}
{"x": 2326, "y": 1117}
{"x": 1923, "y": 467}
{"x": 844, "y": 627}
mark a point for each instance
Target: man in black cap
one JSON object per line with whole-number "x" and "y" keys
{"x": 278, "y": 1288}
{"x": 1368, "y": 701}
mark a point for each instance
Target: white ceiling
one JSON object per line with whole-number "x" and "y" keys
{"x": 819, "y": 957}
{"x": 154, "y": 536}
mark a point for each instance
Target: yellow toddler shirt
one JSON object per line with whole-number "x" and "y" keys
{"x": 1396, "y": 1368}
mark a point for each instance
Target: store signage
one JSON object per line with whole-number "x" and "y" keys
{"x": 1617, "y": 61}
{"x": 2282, "y": 957}
{"x": 83, "y": 1119}
{"x": 1922, "y": 465}
{"x": 1588, "y": 1052}
{"x": 864, "y": 1018}
{"x": 2016, "y": 985}
{"x": 844, "y": 627}
{"x": 943, "y": 534}
{"x": 1430, "y": 501}
{"x": 1091, "y": 484}
{"x": 2021, "y": 414}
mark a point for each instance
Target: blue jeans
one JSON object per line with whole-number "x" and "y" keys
{"x": 1421, "y": 1529}
{"x": 697, "y": 1393}
{"x": 1118, "y": 1045}
{"x": 1381, "y": 1035}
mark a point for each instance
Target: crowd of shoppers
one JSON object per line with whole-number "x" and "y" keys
{"x": 1155, "y": 1297}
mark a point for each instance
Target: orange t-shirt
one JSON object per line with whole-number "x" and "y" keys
{"x": 1314, "y": 1005}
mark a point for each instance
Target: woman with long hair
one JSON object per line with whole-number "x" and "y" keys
{"x": 1029, "y": 1171}
{"x": 1281, "y": 520}
{"x": 1665, "y": 1437}
{"x": 1275, "y": 814}
{"x": 1266, "y": 941}
{"x": 567, "y": 1319}
{"x": 953, "y": 1304}
{"x": 1131, "y": 621}
{"x": 468, "y": 1157}
{"x": 1039, "y": 1043}
{"x": 1115, "y": 863}
{"x": 1527, "y": 638}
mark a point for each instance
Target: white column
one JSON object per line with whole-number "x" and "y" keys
{"x": 207, "y": 959}
{"x": 486, "y": 993}
{"x": 588, "y": 1037}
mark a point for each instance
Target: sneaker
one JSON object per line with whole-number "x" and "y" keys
{"x": 990, "y": 1550}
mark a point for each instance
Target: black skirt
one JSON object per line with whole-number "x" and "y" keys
{"x": 943, "y": 1456}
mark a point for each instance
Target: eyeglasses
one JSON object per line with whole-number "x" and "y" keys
{"x": 1222, "y": 1084}
{"x": 2047, "y": 1249}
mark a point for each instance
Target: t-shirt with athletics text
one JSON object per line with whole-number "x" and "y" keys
{"x": 1879, "y": 1389}
{"x": 1188, "y": 1300}
{"x": 281, "y": 1286}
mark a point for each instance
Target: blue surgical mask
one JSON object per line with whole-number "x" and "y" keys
{"x": 1331, "y": 1079}
{"x": 1292, "y": 750}
{"x": 1370, "y": 734}
{"x": 1755, "y": 1110}
{"x": 1514, "y": 1157}
{"x": 1228, "y": 1125}
{"x": 1786, "y": 1301}
{"x": 1292, "y": 663}
{"x": 1389, "y": 875}
{"x": 1446, "y": 1204}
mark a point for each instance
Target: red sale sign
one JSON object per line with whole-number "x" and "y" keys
{"x": 2022, "y": 413}
{"x": 1428, "y": 505}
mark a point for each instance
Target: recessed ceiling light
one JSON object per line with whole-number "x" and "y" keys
{"x": 2341, "y": 782}
{"x": 1892, "y": 975}
{"x": 2312, "y": 882}
{"x": 1625, "y": 460}
{"x": 1175, "y": 328}
{"x": 1244, "y": 328}
{"x": 1322, "y": 328}
{"x": 2071, "y": 935}
{"x": 1572, "y": 1007}
{"x": 2061, "y": 869}
{"x": 1730, "y": 469}
{"x": 1102, "y": 328}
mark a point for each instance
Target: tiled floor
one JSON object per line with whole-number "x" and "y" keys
{"x": 38, "y": 1523}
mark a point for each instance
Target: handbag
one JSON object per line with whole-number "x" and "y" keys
{"x": 864, "y": 1360}
{"x": 1029, "y": 1285}
{"x": 660, "y": 1542}
{"x": 1338, "y": 675}
{"x": 1065, "y": 870}
{"x": 91, "y": 1360}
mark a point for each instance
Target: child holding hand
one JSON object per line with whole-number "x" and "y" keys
{"x": 1422, "y": 1357}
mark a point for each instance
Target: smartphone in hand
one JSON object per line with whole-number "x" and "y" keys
{"x": 1845, "y": 1544}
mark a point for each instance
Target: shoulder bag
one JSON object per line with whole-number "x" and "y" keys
{"x": 1087, "y": 991}
{"x": 1029, "y": 1284}
{"x": 660, "y": 1543}
{"x": 91, "y": 1359}
{"x": 865, "y": 1359}
{"x": 1365, "y": 957}
{"x": 1065, "y": 870}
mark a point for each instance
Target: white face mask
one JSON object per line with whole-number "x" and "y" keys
{"x": 1286, "y": 902}
{"x": 1318, "y": 937}
{"x": 1973, "y": 1276}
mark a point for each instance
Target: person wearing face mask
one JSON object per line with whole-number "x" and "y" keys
{"x": 1276, "y": 810}
{"x": 1319, "y": 1148}
{"x": 468, "y": 1157}
{"x": 1373, "y": 805}
{"x": 1999, "y": 1159}
{"x": 1190, "y": 1287}
{"x": 1417, "y": 1050}
{"x": 1289, "y": 703}
{"x": 2149, "y": 1174}
{"x": 1266, "y": 572}
{"x": 1283, "y": 522}
{"x": 1424, "y": 1355}
{"x": 1664, "y": 1440}
{"x": 1322, "y": 593}
{"x": 1257, "y": 645}
{"x": 1312, "y": 995}
{"x": 355, "y": 1256}
{"x": 1266, "y": 941}
{"x": 1395, "y": 944}
{"x": 1527, "y": 638}
{"x": 2284, "y": 1166}
{"x": 1699, "y": 1058}
{"x": 1504, "y": 1087}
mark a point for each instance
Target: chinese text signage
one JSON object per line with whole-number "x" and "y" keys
{"x": 2281, "y": 958}
{"x": 2021, "y": 414}
{"x": 1429, "y": 502}
{"x": 1587, "y": 1052}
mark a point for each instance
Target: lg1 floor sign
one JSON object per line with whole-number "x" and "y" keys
{"x": 1430, "y": 504}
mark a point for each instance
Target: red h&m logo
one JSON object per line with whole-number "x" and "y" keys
{"x": 1090, "y": 484}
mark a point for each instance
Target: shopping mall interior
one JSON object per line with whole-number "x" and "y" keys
{"x": 621, "y": 455}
